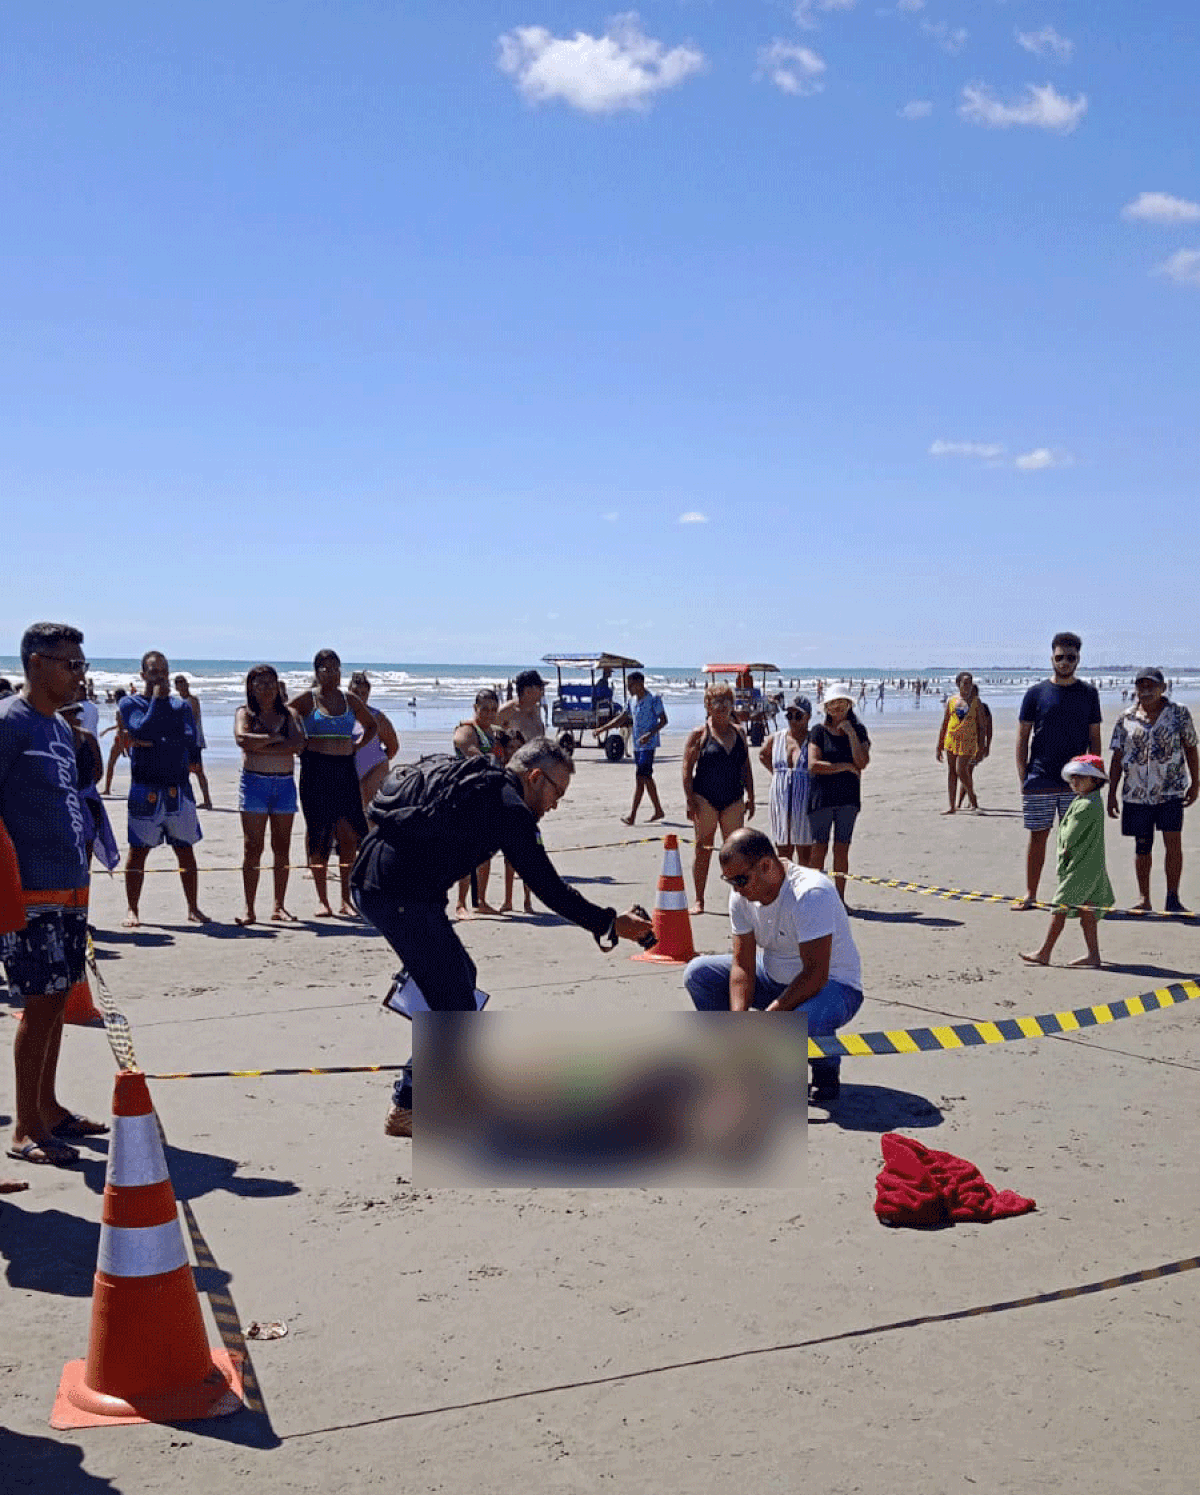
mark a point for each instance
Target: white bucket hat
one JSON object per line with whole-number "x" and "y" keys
{"x": 839, "y": 693}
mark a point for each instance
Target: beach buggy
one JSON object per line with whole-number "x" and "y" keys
{"x": 751, "y": 703}
{"x": 581, "y": 705}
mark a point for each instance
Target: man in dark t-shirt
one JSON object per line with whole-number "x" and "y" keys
{"x": 44, "y": 941}
{"x": 1059, "y": 720}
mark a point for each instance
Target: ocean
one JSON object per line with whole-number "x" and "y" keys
{"x": 426, "y": 701}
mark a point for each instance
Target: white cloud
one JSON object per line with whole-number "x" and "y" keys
{"x": 804, "y": 10}
{"x": 692, "y": 517}
{"x": 611, "y": 517}
{"x": 1041, "y": 107}
{"x": 795, "y": 70}
{"x": 1161, "y": 207}
{"x": 1041, "y": 458}
{"x": 1046, "y": 43}
{"x": 916, "y": 109}
{"x": 1183, "y": 267}
{"x": 951, "y": 39}
{"x": 987, "y": 451}
{"x": 622, "y": 69}
{"x": 911, "y": 6}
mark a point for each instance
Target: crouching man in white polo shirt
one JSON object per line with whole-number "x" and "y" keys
{"x": 792, "y": 948}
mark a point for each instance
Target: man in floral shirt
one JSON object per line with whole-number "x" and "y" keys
{"x": 1154, "y": 746}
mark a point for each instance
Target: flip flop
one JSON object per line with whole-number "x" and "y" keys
{"x": 55, "y": 1154}
{"x": 78, "y": 1126}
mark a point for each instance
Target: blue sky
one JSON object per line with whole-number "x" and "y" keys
{"x": 829, "y": 332}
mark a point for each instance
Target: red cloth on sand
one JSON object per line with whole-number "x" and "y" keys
{"x": 918, "y": 1186}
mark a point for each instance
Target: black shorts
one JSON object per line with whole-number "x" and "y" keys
{"x": 1141, "y": 821}
{"x": 47, "y": 956}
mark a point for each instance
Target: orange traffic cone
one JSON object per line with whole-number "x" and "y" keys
{"x": 672, "y": 923}
{"x": 148, "y": 1356}
{"x": 80, "y": 1008}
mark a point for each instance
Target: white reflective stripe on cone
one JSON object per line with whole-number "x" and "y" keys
{"x": 672, "y": 866}
{"x": 135, "y": 1153}
{"x": 666, "y": 901}
{"x": 141, "y": 1250}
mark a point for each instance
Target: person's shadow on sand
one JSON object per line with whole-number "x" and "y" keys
{"x": 193, "y": 1174}
{"x": 48, "y": 1251}
{"x": 881, "y": 916}
{"x": 36, "y": 1463}
{"x": 877, "y": 1108}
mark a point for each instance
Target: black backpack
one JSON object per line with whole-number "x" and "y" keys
{"x": 424, "y": 800}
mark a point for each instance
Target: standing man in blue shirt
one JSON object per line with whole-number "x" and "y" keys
{"x": 1060, "y": 720}
{"x": 45, "y": 819}
{"x": 645, "y": 715}
{"x": 162, "y": 733}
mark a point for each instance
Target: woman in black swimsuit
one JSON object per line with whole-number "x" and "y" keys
{"x": 718, "y": 781}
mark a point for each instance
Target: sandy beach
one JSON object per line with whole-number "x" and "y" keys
{"x": 679, "y": 1341}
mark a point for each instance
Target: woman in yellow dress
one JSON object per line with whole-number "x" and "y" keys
{"x": 959, "y": 740}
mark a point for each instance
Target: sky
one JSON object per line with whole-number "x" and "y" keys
{"x": 823, "y": 332}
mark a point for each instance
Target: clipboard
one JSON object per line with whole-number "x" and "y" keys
{"x": 406, "y": 997}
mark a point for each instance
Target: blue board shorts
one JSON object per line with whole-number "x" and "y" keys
{"x": 267, "y": 793}
{"x": 157, "y": 815}
{"x": 643, "y": 763}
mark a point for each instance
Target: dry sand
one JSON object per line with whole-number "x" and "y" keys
{"x": 435, "y": 1336}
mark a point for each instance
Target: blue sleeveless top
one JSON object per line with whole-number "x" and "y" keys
{"x": 318, "y": 724}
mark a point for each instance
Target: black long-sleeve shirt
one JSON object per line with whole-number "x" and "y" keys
{"x": 419, "y": 867}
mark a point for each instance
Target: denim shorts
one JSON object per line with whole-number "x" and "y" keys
{"x": 837, "y": 818}
{"x": 267, "y": 793}
{"x": 1039, "y": 809}
{"x": 47, "y": 956}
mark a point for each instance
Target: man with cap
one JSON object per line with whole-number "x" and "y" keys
{"x": 1059, "y": 720}
{"x": 792, "y": 949}
{"x": 524, "y": 714}
{"x": 1154, "y": 759}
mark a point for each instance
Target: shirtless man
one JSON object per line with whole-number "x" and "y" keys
{"x": 196, "y": 766}
{"x": 524, "y": 714}
{"x": 473, "y": 739}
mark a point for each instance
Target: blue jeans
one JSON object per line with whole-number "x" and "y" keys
{"x": 433, "y": 955}
{"x": 707, "y": 982}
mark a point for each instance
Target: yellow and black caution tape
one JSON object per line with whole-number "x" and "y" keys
{"x": 851, "y": 1045}
{"x": 270, "y": 1074}
{"x": 116, "y": 1024}
{"x": 1006, "y": 1030}
{"x": 963, "y": 895}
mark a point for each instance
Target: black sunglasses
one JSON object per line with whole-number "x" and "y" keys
{"x": 738, "y": 879}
